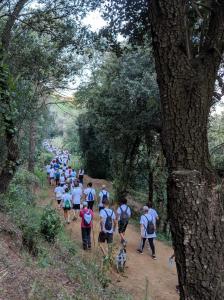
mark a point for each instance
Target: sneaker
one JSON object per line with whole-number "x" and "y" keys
{"x": 154, "y": 257}
{"x": 140, "y": 251}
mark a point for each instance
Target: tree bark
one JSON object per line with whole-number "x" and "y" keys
{"x": 186, "y": 85}
{"x": 32, "y": 146}
{"x": 7, "y": 30}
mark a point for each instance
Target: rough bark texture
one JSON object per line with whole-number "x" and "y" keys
{"x": 186, "y": 84}
{"x": 197, "y": 225}
{"x": 32, "y": 146}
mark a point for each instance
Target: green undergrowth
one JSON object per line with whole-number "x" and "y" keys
{"x": 48, "y": 249}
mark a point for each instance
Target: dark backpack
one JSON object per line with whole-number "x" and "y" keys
{"x": 124, "y": 217}
{"x": 109, "y": 221}
{"x": 104, "y": 198}
{"x": 90, "y": 196}
{"x": 150, "y": 228}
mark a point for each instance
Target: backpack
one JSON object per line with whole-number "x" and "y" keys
{"x": 57, "y": 175}
{"x": 104, "y": 198}
{"x": 109, "y": 222}
{"x": 90, "y": 196}
{"x": 150, "y": 228}
{"x": 87, "y": 218}
{"x": 124, "y": 217}
{"x": 67, "y": 203}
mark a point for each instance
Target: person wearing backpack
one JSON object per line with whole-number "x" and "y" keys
{"x": 148, "y": 231}
{"x": 81, "y": 174}
{"x": 123, "y": 216}
{"x": 107, "y": 227}
{"x": 90, "y": 195}
{"x": 103, "y": 196}
{"x": 86, "y": 224}
{"x": 67, "y": 205}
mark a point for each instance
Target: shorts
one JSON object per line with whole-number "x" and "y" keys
{"x": 67, "y": 208}
{"x": 105, "y": 236}
{"x": 90, "y": 204}
{"x": 122, "y": 226}
{"x": 59, "y": 201}
{"x": 76, "y": 206}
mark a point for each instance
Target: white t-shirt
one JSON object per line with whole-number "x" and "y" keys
{"x": 52, "y": 171}
{"x": 103, "y": 192}
{"x": 144, "y": 222}
{"x": 59, "y": 191}
{"x": 89, "y": 190}
{"x": 62, "y": 179}
{"x": 123, "y": 207}
{"x": 65, "y": 197}
{"x": 103, "y": 215}
{"x": 76, "y": 195}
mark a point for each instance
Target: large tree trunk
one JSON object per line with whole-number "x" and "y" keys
{"x": 32, "y": 146}
{"x": 186, "y": 86}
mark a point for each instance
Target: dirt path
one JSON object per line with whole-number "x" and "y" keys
{"x": 140, "y": 269}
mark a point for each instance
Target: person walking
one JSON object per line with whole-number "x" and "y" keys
{"x": 123, "y": 216}
{"x": 59, "y": 191}
{"x": 90, "y": 195}
{"x": 52, "y": 172}
{"x": 107, "y": 228}
{"x": 103, "y": 196}
{"x": 76, "y": 199}
{"x": 67, "y": 205}
{"x": 81, "y": 174}
{"x": 86, "y": 224}
{"x": 148, "y": 231}
{"x": 57, "y": 176}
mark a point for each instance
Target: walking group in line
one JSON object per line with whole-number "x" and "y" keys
{"x": 79, "y": 201}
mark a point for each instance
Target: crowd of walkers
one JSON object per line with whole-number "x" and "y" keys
{"x": 78, "y": 201}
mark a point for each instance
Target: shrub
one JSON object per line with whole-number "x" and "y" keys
{"x": 50, "y": 224}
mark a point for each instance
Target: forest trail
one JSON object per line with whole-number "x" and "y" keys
{"x": 161, "y": 277}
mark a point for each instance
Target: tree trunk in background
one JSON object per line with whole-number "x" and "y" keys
{"x": 9, "y": 159}
{"x": 32, "y": 146}
{"x": 186, "y": 87}
{"x": 150, "y": 185}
